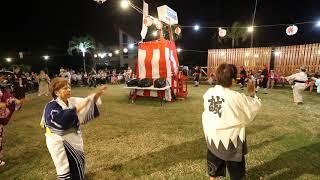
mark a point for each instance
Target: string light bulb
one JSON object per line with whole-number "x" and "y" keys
{"x": 124, "y": 4}
{"x": 196, "y": 27}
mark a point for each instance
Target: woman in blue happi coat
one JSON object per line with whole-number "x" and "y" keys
{"x": 62, "y": 118}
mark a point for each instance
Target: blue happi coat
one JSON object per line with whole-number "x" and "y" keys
{"x": 63, "y": 135}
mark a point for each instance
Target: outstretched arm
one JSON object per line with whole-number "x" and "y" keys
{"x": 99, "y": 92}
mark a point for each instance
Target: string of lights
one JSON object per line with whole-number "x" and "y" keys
{"x": 255, "y": 26}
{"x": 191, "y": 50}
{"x": 98, "y": 53}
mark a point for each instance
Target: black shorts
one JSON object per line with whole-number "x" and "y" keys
{"x": 217, "y": 167}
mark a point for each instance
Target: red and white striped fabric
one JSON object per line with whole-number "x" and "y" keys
{"x": 158, "y": 59}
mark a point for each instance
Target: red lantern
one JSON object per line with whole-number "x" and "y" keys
{"x": 147, "y": 21}
{"x": 177, "y": 30}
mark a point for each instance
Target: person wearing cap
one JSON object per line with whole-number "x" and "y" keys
{"x": 299, "y": 83}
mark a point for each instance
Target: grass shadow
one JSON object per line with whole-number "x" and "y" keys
{"x": 290, "y": 164}
{"x": 265, "y": 143}
{"x": 157, "y": 161}
{"x": 253, "y": 129}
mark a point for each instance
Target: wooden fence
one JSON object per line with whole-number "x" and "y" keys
{"x": 252, "y": 58}
{"x": 290, "y": 58}
{"x": 286, "y": 59}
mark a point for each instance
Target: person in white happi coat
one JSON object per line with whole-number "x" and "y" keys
{"x": 299, "y": 83}
{"x": 225, "y": 116}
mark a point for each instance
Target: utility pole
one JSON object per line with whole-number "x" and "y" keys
{"x": 252, "y": 23}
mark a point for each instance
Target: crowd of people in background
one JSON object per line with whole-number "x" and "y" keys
{"x": 31, "y": 81}
{"x": 269, "y": 79}
{"x": 96, "y": 77}
{"x": 263, "y": 78}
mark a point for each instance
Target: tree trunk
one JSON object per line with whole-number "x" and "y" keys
{"x": 84, "y": 64}
{"x": 232, "y": 42}
{"x": 95, "y": 63}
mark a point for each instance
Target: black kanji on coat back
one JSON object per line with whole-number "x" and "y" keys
{"x": 215, "y": 105}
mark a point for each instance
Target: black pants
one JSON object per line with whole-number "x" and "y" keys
{"x": 264, "y": 82}
{"x": 242, "y": 80}
{"x": 217, "y": 167}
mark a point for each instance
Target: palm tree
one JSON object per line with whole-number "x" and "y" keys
{"x": 82, "y": 45}
{"x": 237, "y": 33}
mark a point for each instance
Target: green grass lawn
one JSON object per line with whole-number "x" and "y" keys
{"x": 148, "y": 141}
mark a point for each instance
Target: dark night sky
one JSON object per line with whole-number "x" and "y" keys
{"x": 37, "y": 26}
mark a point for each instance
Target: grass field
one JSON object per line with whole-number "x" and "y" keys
{"x": 148, "y": 141}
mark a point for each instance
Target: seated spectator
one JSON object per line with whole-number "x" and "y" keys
{"x": 79, "y": 78}
{"x": 84, "y": 78}
{"x": 271, "y": 80}
{"x": 114, "y": 79}
{"x": 74, "y": 79}
{"x": 310, "y": 83}
{"x": 257, "y": 77}
{"x": 120, "y": 77}
{"x": 279, "y": 79}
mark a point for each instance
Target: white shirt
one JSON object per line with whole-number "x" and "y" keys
{"x": 301, "y": 76}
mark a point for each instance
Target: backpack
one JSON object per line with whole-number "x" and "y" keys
{"x": 132, "y": 82}
{"x": 160, "y": 83}
{"x": 145, "y": 82}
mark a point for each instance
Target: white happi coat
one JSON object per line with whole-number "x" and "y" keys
{"x": 226, "y": 113}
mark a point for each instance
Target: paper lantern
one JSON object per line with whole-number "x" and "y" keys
{"x": 291, "y": 30}
{"x": 157, "y": 23}
{"x": 222, "y": 32}
{"x": 100, "y": 1}
{"x": 147, "y": 21}
{"x": 177, "y": 30}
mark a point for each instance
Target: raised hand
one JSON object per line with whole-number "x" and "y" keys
{"x": 99, "y": 92}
